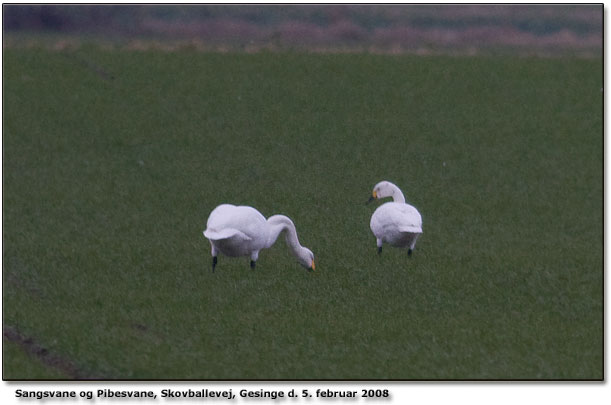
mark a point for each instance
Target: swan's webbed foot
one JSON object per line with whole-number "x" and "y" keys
{"x": 252, "y": 264}
{"x": 379, "y": 250}
{"x": 409, "y": 252}
{"x": 214, "y": 261}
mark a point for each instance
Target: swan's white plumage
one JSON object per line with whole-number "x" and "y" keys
{"x": 243, "y": 231}
{"x": 236, "y": 230}
{"x": 225, "y": 234}
{"x": 396, "y": 223}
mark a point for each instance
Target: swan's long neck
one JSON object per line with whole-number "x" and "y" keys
{"x": 397, "y": 195}
{"x": 279, "y": 223}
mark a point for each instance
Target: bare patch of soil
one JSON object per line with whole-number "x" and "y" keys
{"x": 64, "y": 365}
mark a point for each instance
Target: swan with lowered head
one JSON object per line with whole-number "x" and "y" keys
{"x": 396, "y": 223}
{"x": 243, "y": 231}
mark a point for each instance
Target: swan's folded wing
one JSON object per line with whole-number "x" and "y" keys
{"x": 225, "y": 234}
{"x": 409, "y": 220}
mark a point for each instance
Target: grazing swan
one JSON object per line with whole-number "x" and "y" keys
{"x": 243, "y": 231}
{"x": 396, "y": 223}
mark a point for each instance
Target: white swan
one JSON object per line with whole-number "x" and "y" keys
{"x": 396, "y": 223}
{"x": 243, "y": 231}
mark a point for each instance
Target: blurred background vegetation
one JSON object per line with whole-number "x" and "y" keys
{"x": 531, "y": 29}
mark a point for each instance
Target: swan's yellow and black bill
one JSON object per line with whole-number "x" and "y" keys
{"x": 374, "y": 195}
{"x": 313, "y": 266}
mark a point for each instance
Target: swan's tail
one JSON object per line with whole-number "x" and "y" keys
{"x": 410, "y": 228}
{"x": 225, "y": 234}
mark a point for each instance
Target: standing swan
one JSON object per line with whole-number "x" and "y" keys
{"x": 243, "y": 231}
{"x": 396, "y": 223}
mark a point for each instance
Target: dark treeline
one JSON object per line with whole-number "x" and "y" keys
{"x": 61, "y": 18}
{"x": 383, "y": 26}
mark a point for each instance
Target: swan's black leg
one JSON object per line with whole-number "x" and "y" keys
{"x": 379, "y": 249}
{"x": 252, "y": 264}
{"x": 214, "y": 260}
{"x": 409, "y": 252}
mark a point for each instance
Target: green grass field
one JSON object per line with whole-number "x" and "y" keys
{"x": 112, "y": 161}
